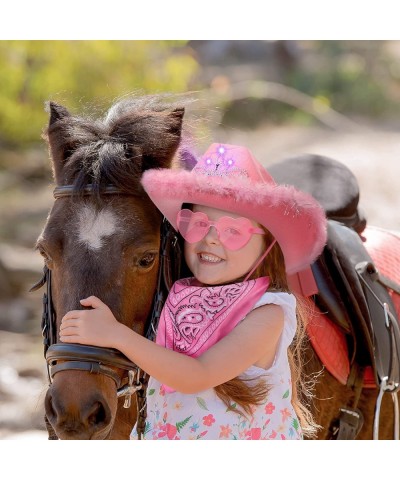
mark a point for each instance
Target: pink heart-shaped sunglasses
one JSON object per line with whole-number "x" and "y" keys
{"x": 233, "y": 233}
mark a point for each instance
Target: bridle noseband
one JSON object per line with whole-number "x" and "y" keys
{"x": 99, "y": 360}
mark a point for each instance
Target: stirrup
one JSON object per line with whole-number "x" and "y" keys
{"x": 383, "y": 388}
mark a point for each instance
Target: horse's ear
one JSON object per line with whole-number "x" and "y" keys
{"x": 175, "y": 123}
{"x": 57, "y": 112}
{"x": 177, "y": 115}
{"x": 56, "y": 137}
{"x": 160, "y": 150}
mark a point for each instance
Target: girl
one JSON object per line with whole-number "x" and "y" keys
{"x": 221, "y": 366}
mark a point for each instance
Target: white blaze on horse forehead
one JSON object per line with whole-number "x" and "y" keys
{"x": 94, "y": 226}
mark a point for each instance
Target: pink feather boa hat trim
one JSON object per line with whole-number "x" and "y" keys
{"x": 228, "y": 177}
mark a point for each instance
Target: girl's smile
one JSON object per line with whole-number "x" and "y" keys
{"x": 209, "y": 258}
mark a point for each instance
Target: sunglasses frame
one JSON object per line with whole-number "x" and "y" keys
{"x": 251, "y": 230}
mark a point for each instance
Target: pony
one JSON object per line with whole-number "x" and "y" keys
{"x": 104, "y": 237}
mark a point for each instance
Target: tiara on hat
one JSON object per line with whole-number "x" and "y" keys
{"x": 220, "y": 163}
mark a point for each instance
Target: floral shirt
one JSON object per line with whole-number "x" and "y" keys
{"x": 203, "y": 416}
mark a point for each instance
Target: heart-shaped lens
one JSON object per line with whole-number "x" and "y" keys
{"x": 193, "y": 226}
{"x": 234, "y": 233}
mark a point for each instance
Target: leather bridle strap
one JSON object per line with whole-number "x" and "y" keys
{"x": 90, "y": 367}
{"x": 69, "y": 190}
{"x": 88, "y": 358}
{"x": 166, "y": 275}
{"x": 105, "y": 356}
{"x": 164, "y": 279}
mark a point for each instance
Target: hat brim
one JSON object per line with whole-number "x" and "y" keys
{"x": 294, "y": 218}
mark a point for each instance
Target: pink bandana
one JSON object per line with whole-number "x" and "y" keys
{"x": 194, "y": 318}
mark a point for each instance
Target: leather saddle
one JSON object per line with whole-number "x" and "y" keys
{"x": 349, "y": 289}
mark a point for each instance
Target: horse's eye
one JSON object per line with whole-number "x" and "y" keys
{"x": 46, "y": 257}
{"x": 147, "y": 260}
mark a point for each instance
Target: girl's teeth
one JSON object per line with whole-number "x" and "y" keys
{"x": 210, "y": 258}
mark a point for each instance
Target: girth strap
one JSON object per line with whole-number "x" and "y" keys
{"x": 351, "y": 421}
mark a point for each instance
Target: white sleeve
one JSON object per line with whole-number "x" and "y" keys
{"x": 288, "y": 303}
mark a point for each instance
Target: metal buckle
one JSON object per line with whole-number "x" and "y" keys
{"x": 131, "y": 388}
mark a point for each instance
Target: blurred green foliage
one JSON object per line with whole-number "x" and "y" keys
{"x": 354, "y": 77}
{"x": 79, "y": 72}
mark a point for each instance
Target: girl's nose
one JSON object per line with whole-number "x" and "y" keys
{"x": 212, "y": 237}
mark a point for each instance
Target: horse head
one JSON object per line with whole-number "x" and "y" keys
{"x": 97, "y": 243}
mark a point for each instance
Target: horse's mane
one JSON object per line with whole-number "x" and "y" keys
{"x": 135, "y": 134}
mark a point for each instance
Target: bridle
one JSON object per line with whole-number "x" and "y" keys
{"x": 98, "y": 360}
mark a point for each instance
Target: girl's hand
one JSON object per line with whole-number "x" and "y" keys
{"x": 96, "y": 327}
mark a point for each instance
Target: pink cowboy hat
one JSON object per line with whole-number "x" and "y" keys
{"x": 229, "y": 178}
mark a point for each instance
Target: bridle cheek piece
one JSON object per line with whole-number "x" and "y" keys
{"x": 107, "y": 361}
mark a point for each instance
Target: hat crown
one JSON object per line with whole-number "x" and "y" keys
{"x": 232, "y": 161}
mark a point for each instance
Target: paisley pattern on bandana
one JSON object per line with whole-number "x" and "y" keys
{"x": 197, "y": 317}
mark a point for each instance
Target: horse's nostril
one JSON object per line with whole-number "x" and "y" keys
{"x": 97, "y": 415}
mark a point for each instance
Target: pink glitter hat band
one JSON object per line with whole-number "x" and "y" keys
{"x": 228, "y": 177}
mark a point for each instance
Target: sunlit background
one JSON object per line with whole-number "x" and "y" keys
{"x": 279, "y": 98}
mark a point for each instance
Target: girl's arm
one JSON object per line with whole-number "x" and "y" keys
{"x": 255, "y": 338}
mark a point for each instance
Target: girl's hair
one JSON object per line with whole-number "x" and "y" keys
{"x": 245, "y": 393}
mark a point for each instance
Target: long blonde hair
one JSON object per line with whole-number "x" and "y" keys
{"x": 245, "y": 393}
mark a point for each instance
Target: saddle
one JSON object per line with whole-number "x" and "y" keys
{"x": 355, "y": 330}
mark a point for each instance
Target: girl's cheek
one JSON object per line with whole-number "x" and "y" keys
{"x": 188, "y": 252}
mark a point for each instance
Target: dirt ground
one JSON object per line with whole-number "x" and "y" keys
{"x": 371, "y": 153}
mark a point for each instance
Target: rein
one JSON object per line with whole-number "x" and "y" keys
{"x": 101, "y": 360}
